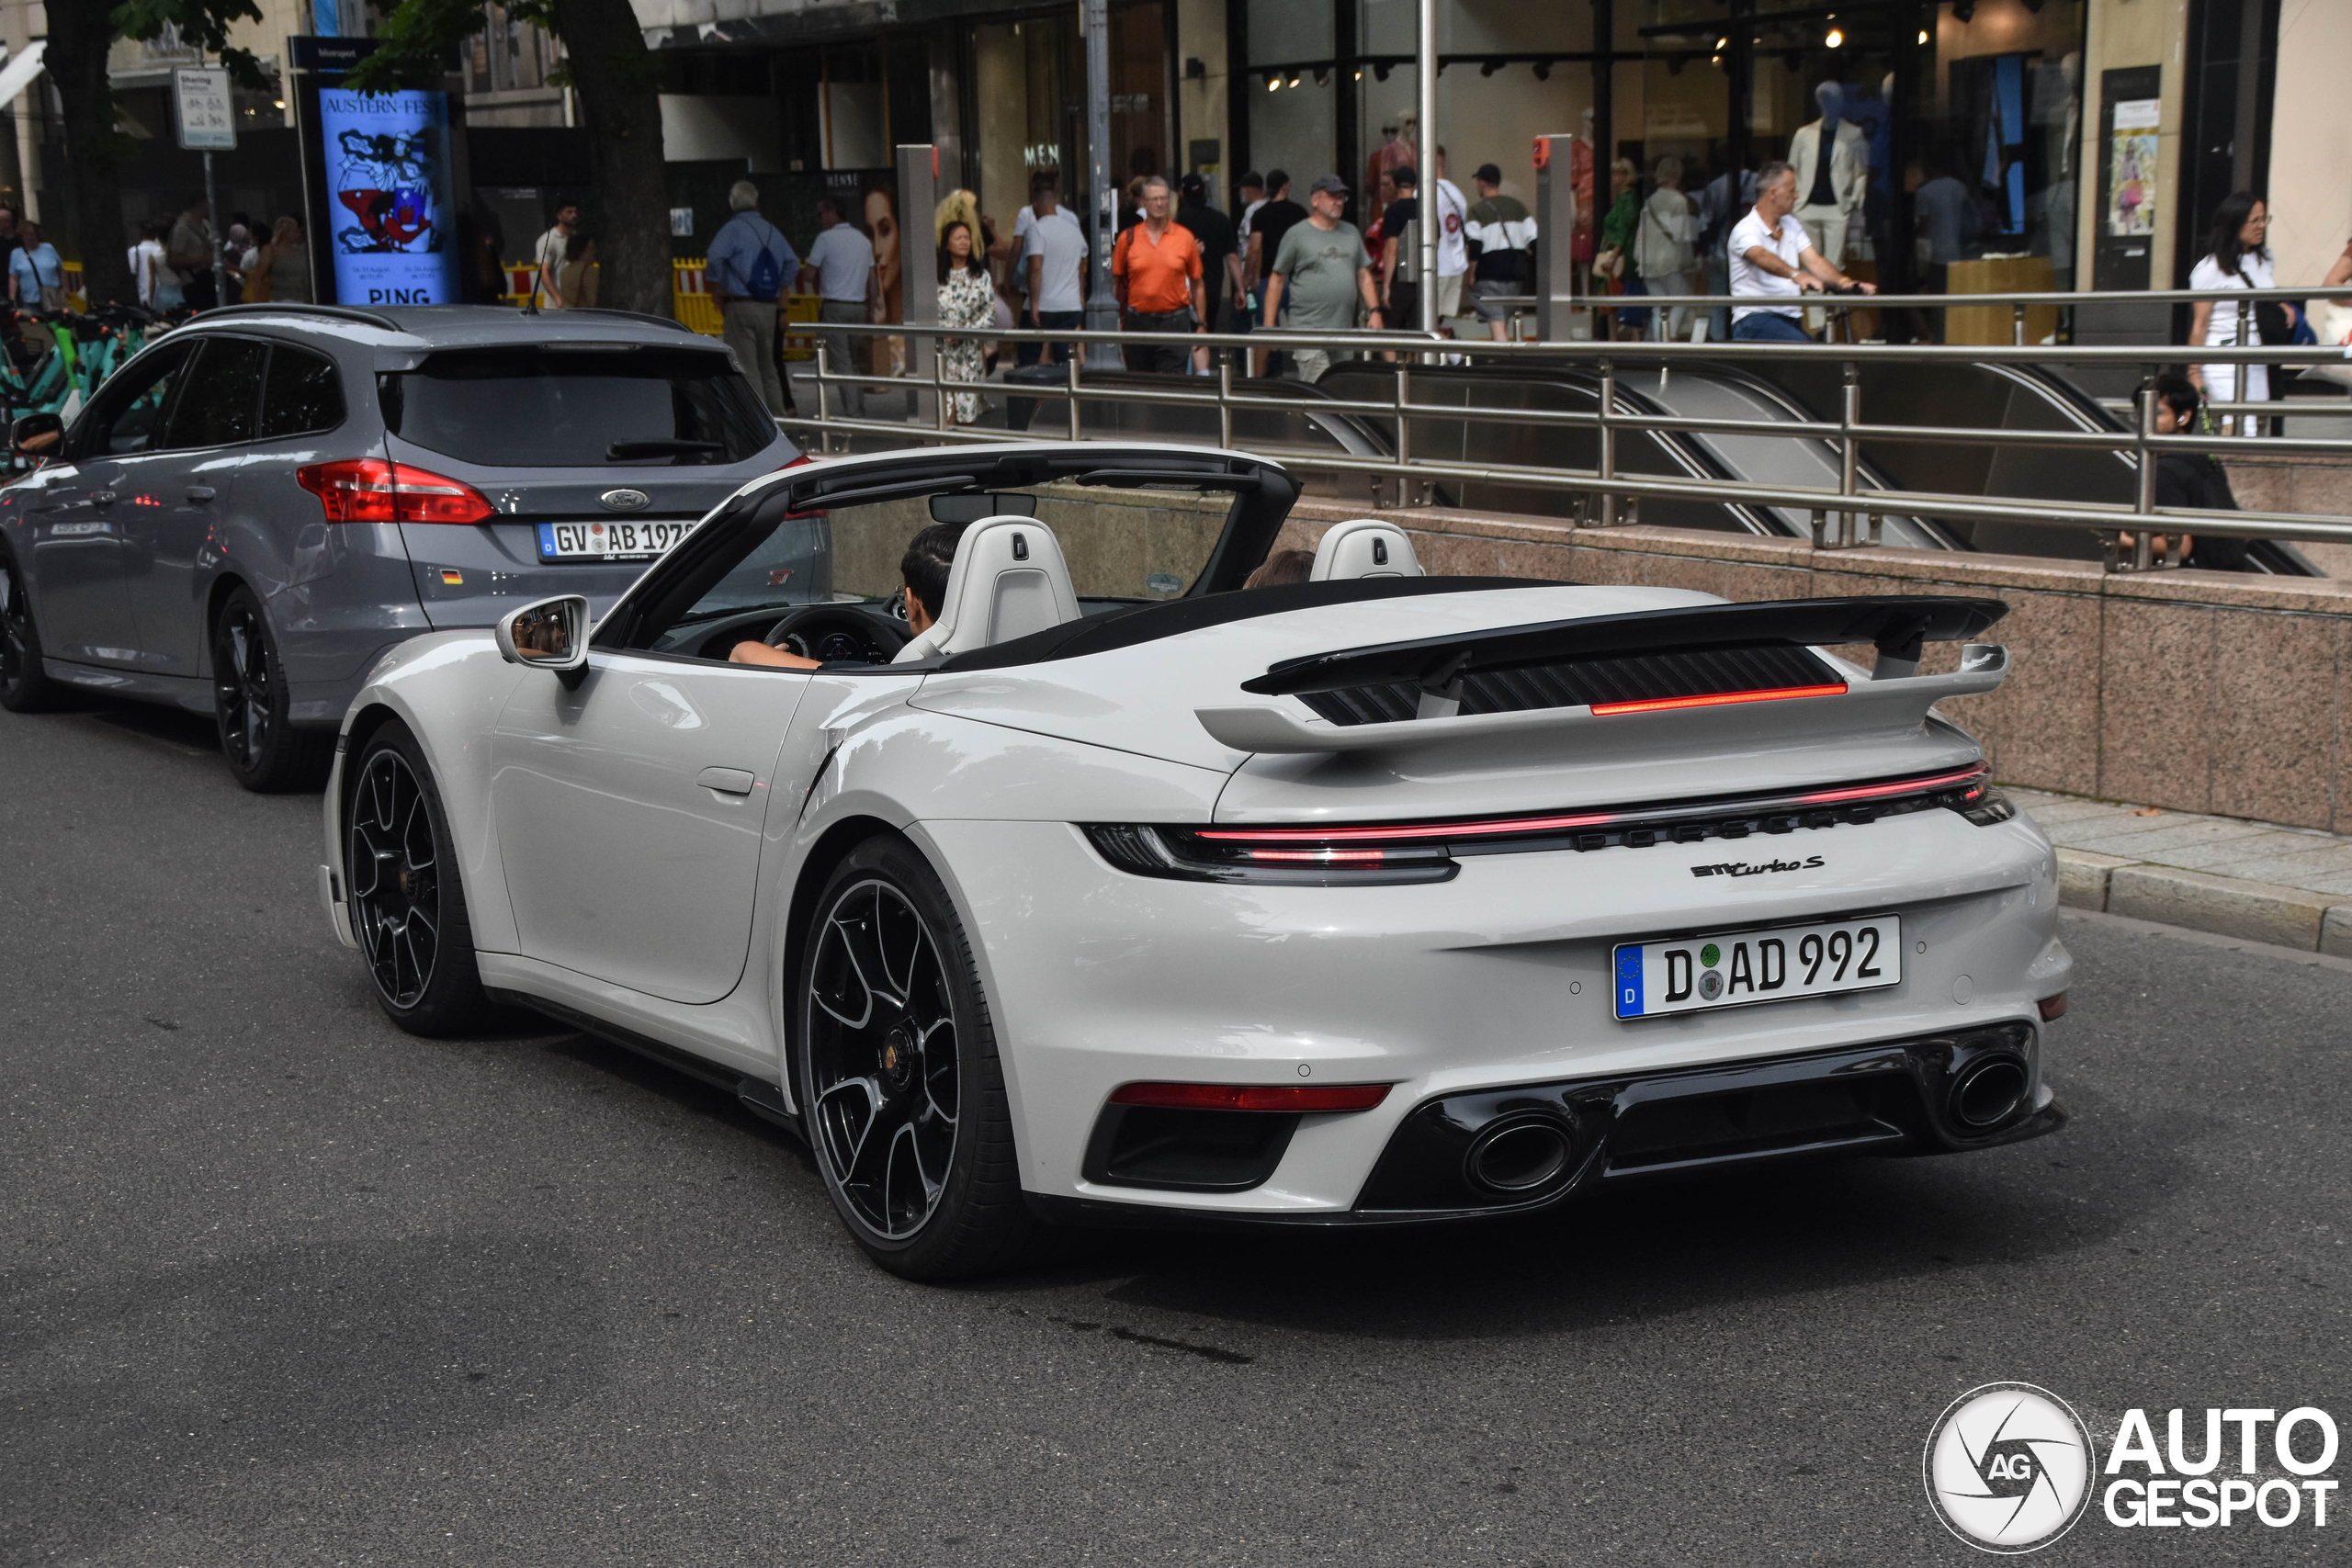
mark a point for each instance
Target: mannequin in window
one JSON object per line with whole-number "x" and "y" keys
{"x": 1831, "y": 189}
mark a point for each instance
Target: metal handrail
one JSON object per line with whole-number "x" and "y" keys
{"x": 1847, "y": 514}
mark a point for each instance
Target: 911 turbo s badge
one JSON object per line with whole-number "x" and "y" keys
{"x": 1755, "y": 868}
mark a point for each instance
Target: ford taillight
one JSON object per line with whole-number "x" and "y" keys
{"x": 371, "y": 489}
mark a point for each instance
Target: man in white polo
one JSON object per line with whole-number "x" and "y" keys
{"x": 841, "y": 266}
{"x": 1771, "y": 259}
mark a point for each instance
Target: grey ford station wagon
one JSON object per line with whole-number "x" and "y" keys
{"x": 250, "y": 512}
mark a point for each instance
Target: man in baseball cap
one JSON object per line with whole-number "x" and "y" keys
{"x": 1324, "y": 271}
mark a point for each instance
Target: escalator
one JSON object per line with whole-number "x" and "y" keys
{"x": 1768, "y": 392}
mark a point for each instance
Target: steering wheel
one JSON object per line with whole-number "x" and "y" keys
{"x": 829, "y": 633}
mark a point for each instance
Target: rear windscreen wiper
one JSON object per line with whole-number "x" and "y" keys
{"x": 622, "y": 450}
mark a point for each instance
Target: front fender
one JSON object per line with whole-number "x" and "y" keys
{"x": 448, "y": 688}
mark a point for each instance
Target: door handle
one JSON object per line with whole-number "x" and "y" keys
{"x": 102, "y": 498}
{"x": 726, "y": 780}
{"x": 201, "y": 492}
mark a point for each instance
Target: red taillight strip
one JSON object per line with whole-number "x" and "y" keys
{"x": 1320, "y": 857}
{"x": 1251, "y": 1097}
{"x": 1529, "y": 825}
{"x": 1718, "y": 699}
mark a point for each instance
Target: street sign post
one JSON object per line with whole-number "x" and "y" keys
{"x": 208, "y": 123}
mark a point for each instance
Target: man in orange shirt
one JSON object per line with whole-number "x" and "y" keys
{"x": 1157, "y": 268}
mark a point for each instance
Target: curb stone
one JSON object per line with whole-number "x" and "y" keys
{"x": 2083, "y": 878}
{"x": 2336, "y": 932}
{"x": 2259, "y": 911}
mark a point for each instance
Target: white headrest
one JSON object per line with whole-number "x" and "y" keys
{"x": 1008, "y": 581}
{"x": 1363, "y": 547}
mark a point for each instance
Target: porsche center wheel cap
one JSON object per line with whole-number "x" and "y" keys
{"x": 898, "y": 1058}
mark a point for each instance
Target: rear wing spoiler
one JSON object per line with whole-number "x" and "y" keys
{"x": 1898, "y": 627}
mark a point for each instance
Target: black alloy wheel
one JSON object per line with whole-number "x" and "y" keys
{"x": 407, "y": 907}
{"x": 265, "y": 753}
{"x": 904, "y": 1095}
{"x": 25, "y": 686}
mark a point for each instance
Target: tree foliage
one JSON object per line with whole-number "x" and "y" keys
{"x": 203, "y": 23}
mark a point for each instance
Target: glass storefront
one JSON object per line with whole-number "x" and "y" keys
{"x": 1979, "y": 98}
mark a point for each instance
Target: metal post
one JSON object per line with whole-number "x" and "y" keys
{"x": 918, "y": 198}
{"x": 1225, "y": 398}
{"x": 824, "y": 415}
{"x": 1556, "y": 213}
{"x": 2017, "y": 324}
{"x": 212, "y": 222}
{"x": 1103, "y": 301}
{"x": 1608, "y": 441}
{"x": 1405, "y": 435}
{"x": 1070, "y": 380}
{"x": 1426, "y": 269}
{"x": 2144, "y": 428}
{"x": 1849, "y": 454}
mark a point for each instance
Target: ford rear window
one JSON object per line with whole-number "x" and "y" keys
{"x": 596, "y": 408}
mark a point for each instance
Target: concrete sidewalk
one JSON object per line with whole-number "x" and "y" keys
{"x": 2288, "y": 886}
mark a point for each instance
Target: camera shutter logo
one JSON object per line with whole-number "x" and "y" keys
{"x": 2008, "y": 1468}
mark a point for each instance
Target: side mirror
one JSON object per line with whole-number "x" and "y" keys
{"x": 36, "y": 436}
{"x": 550, "y": 635}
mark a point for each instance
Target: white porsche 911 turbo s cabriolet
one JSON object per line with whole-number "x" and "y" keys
{"x": 1126, "y": 892}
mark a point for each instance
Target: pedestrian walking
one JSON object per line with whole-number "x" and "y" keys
{"x": 966, "y": 299}
{"x": 1322, "y": 272}
{"x": 1214, "y": 233}
{"x": 1662, "y": 250}
{"x": 157, "y": 285}
{"x": 36, "y": 272}
{"x": 1156, "y": 267}
{"x": 1269, "y": 222}
{"x": 189, "y": 252}
{"x": 1771, "y": 259}
{"x": 749, "y": 262}
{"x": 1052, "y": 259}
{"x": 1400, "y": 263}
{"x": 1615, "y": 270}
{"x": 1502, "y": 233}
{"x": 578, "y": 277}
{"x": 2237, "y": 257}
{"x": 280, "y": 270}
{"x": 548, "y": 255}
{"x": 1251, "y": 195}
{"x": 840, "y": 265}
{"x": 1451, "y": 212}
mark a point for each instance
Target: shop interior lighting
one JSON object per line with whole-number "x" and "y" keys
{"x": 1923, "y": 35}
{"x": 1273, "y": 84}
{"x": 1835, "y": 39}
{"x": 1322, "y": 76}
{"x": 1294, "y": 79}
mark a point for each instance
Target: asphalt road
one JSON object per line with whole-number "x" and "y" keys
{"x": 283, "y": 1285}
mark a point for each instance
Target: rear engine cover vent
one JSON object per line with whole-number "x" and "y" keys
{"x": 1636, "y": 678}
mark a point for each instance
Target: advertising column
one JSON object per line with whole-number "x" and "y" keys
{"x": 389, "y": 212}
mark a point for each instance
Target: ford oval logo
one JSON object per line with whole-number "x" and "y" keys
{"x": 625, "y": 499}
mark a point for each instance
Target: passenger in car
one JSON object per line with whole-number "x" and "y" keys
{"x": 929, "y": 559}
{"x": 1281, "y": 569}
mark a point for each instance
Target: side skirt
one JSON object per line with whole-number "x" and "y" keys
{"x": 758, "y": 1096}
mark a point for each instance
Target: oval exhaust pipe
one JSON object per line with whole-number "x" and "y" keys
{"x": 1520, "y": 1155}
{"x": 1988, "y": 1093}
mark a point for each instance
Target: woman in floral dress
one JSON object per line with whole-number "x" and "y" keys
{"x": 967, "y": 299}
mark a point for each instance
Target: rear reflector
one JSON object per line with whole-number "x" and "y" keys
{"x": 1718, "y": 699}
{"x": 1251, "y": 1097}
{"x": 2052, "y": 1007}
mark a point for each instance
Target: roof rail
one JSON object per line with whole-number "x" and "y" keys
{"x": 671, "y": 322}
{"x": 339, "y": 312}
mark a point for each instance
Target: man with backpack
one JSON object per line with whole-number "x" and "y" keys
{"x": 748, "y": 262}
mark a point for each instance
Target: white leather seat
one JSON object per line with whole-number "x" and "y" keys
{"x": 1008, "y": 579}
{"x": 1364, "y": 546}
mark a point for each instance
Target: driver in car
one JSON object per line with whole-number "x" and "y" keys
{"x": 924, "y": 567}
